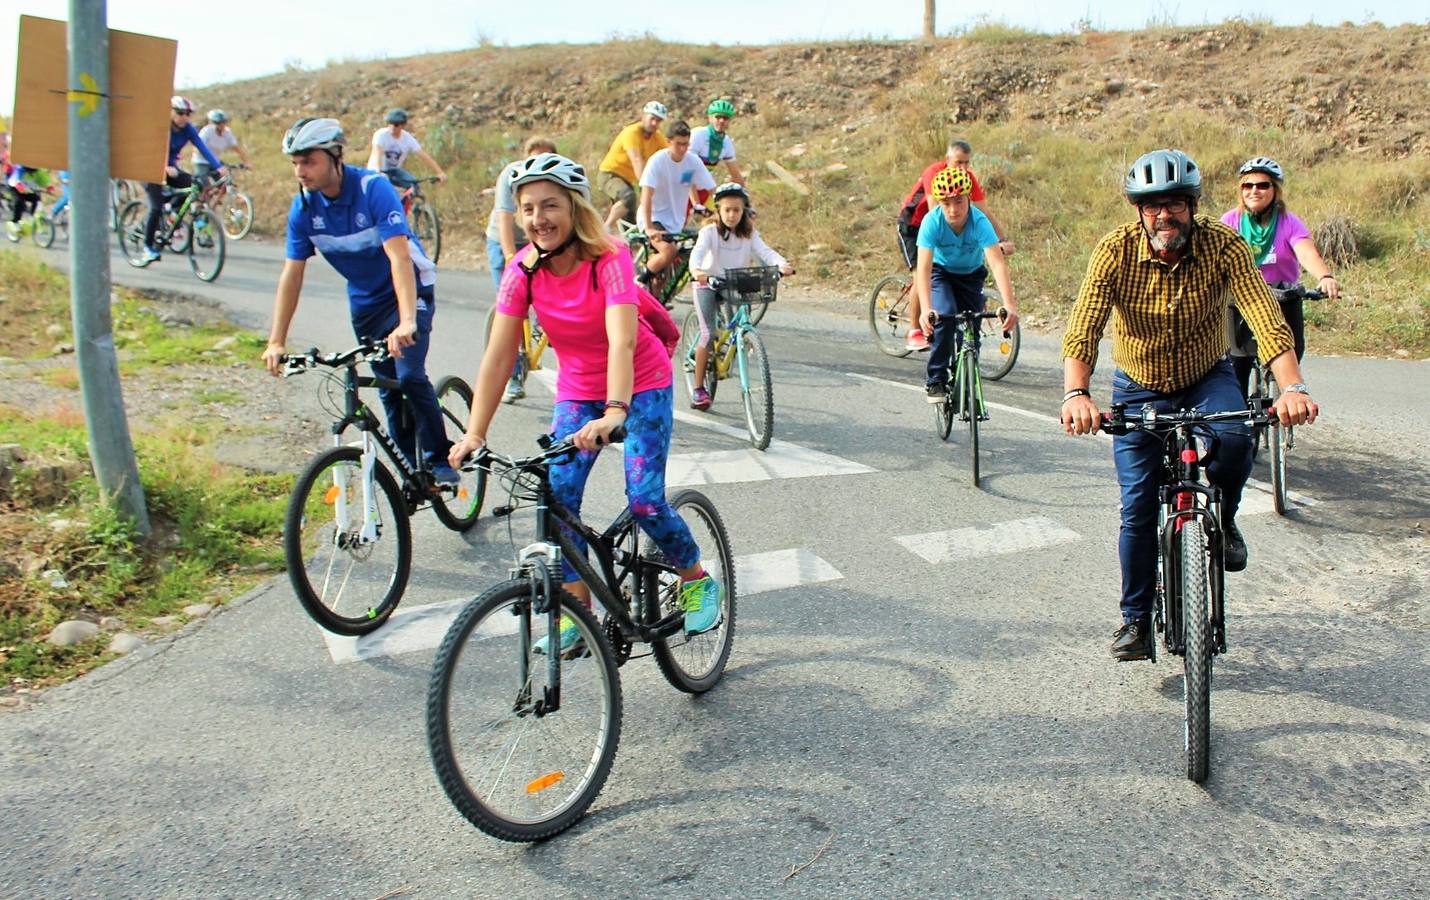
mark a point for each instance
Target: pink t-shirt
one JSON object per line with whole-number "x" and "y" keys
{"x": 1281, "y": 263}
{"x": 572, "y": 312}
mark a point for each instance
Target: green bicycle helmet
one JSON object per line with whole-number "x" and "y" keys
{"x": 721, "y": 107}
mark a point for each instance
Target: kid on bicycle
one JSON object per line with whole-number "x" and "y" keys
{"x": 730, "y": 242}
{"x": 615, "y": 369}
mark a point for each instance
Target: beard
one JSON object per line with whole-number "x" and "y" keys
{"x": 1169, "y": 244}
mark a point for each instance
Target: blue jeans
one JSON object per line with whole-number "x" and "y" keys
{"x": 496, "y": 261}
{"x": 952, "y": 293}
{"x": 1139, "y": 473}
{"x": 411, "y": 372}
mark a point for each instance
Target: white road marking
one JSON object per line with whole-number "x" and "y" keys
{"x": 418, "y": 628}
{"x": 781, "y": 460}
{"x": 1041, "y": 417}
{"x": 1004, "y": 537}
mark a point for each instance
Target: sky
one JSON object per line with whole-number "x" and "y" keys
{"x": 258, "y": 37}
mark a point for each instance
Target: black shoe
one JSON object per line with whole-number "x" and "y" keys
{"x": 1133, "y": 641}
{"x": 935, "y": 393}
{"x": 1233, "y": 552}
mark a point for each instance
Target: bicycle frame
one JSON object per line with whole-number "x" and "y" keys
{"x": 167, "y": 227}
{"x": 729, "y": 348}
{"x": 532, "y": 346}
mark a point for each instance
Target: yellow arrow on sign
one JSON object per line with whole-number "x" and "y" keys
{"x": 87, "y": 98}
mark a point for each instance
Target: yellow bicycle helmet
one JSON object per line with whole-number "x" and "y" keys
{"x": 950, "y": 182}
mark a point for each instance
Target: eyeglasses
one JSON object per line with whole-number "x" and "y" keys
{"x": 1256, "y": 185}
{"x": 1153, "y": 207}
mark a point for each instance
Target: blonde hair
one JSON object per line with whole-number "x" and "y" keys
{"x": 592, "y": 241}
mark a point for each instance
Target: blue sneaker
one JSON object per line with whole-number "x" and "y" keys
{"x": 151, "y": 255}
{"x": 702, "y": 599}
{"x": 515, "y": 390}
{"x": 445, "y": 474}
{"x": 569, "y": 638}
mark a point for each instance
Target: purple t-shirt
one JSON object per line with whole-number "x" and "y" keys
{"x": 572, "y": 312}
{"x": 1281, "y": 263}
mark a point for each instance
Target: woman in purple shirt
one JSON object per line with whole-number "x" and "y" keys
{"x": 1282, "y": 246}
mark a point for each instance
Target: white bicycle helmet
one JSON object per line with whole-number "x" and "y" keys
{"x": 181, "y": 104}
{"x": 218, "y": 116}
{"x": 731, "y": 189}
{"x": 1163, "y": 172}
{"x": 313, "y": 134}
{"x": 555, "y": 168}
{"x": 1263, "y": 164}
{"x": 656, "y": 108}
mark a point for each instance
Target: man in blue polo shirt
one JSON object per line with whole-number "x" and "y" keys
{"x": 957, "y": 247}
{"x": 181, "y": 132}
{"x": 353, "y": 217}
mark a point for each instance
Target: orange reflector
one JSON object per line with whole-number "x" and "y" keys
{"x": 544, "y": 782}
{"x": 461, "y": 493}
{"x": 332, "y": 495}
{"x": 1004, "y": 347}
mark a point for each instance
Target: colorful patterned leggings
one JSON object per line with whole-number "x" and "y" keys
{"x": 647, "y": 446}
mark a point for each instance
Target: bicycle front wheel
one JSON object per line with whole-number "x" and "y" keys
{"x": 131, "y": 232}
{"x": 514, "y": 767}
{"x": 970, "y": 404}
{"x": 348, "y": 556}
{"x": 428, "y": 230}
{"x": 888, "y": 307}
{"x": 206, "y": 245}
{"x": 1197, "y": 661}
{"x": 694, "y": 662}
{"x": 458, "y": 508}
{"x": 758, "y": 390}
{"x": 997, "y": 352}
{"x": 1276, "y": 440}
{"x": 237, "y": 215}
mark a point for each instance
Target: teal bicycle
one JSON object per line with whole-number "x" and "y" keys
{"x": 963, "y": 397}
{"x": 738, "y": 349}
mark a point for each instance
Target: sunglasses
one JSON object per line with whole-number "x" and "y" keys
{"x": 1256, "y": 185}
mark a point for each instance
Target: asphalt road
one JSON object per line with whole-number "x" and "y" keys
{"x": 937, "y": 717}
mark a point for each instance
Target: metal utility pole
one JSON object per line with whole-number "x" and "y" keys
{"x": 110, "y": 447}
{"x": 928, "y": 20}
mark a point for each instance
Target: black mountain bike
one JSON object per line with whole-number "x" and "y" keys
{"x": 1277, "y": 440}
{"x": 522, "y": 739}
{"x": 346, "y": 537}
{"x": 187, "y": 226}
{"x": 1189, "y": 609}
{"x": 963, "y": 393}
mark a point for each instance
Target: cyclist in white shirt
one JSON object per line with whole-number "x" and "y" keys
{"x": 220, "y": 139}
{"x": 671, "y": 178}
{"x": 713, "y": 143}
{"x": 390, "y": 148}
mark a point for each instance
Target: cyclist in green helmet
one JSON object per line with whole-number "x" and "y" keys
{"x": 714, "y": 145}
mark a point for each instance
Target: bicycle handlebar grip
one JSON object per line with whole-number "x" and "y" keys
{"x": 618, "y": 435}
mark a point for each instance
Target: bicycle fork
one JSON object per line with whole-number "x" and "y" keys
{"x": 342, "y": 485}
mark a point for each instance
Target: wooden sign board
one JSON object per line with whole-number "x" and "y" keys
{"x": 139, "y": 83}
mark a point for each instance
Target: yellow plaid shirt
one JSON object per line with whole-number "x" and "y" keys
{"x": 1170, "y": 327}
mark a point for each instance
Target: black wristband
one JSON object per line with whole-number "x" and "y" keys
{"x": 1327, "y": 275}
{"x": 1076, "y": 392}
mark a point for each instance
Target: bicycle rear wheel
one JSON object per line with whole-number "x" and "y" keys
{"x": 888, "y": 306}
{"x": 131, "y": 232}
{"x": 44, "y": 230}
{"x": 513, "y": 767}
{"x": 237, "y": 214}
{"x": 206, "y": 245}
{"x": 428, "y": 230}
{"x": 944, "y": 411}
{"x": 348, "y": 581}
{"x": 458, "y": 508}
{"x": 689, "y": 338}
{"x": 757, "y": 390}
{"x": 694, "y": 663}
{"x": 1197, "y": 660}
{"x": 998, "y": 353}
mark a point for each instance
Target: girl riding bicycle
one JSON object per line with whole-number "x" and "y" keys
{"x": 1282, "y": 246}
{"x": 615, "y": 372}
{"x": 727, "y": 243}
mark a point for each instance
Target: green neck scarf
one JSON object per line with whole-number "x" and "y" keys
{"x": 1259, "y": 236}
{"x": 717, "y": 144}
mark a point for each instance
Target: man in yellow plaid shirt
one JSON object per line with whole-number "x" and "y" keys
{"x": 1167, "y": 276}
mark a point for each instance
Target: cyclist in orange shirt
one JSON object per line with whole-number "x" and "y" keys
{"x": 621, "y": 169}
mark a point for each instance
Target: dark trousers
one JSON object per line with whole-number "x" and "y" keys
{"x": 1295, "y": 313}
{"x": 155, "y": 193}
{"x": 951, "y": 293}
{"x": 1138, "y": 457}
{"x": 411, "y": 372}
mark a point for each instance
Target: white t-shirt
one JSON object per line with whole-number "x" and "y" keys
{"x": 395, "y": 150}
{"x": 672, "y": 181}
{"x": 714, "y": 254}
{"x": 700, "y": 145}
{"x": 218, "y": 144}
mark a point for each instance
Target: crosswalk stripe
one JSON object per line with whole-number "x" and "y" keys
{"x": 417, "y": 628}
{"x": 781, "y": 460}
{"x": 1015, "y": 536}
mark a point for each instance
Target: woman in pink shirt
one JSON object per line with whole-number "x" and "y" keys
{"x": 614, "y": 369}
{"x": 1282, "y": 246}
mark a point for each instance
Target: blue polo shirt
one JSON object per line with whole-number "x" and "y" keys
{"x": 349, "y": 231}
{"x": 189, "y": 135}
{"x": 958, "y": 253}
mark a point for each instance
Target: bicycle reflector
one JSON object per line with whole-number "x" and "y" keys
{"x": 544, "y": 782}
{"x": 331, "y": 495}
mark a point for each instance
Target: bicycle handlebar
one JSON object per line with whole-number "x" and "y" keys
{"x": 1151, "y": 419}
{"x": 368, "y": 350}
{"x": 1297, "y": 292}
{"x": 551, "y": 449}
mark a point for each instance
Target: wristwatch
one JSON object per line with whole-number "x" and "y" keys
{"x": 1297, "y": 388}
